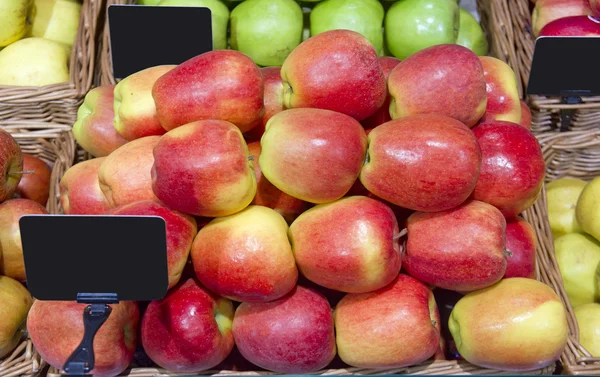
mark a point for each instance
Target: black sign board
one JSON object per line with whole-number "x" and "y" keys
{"x": 143, "y": 36}
{"x": 69, "y": 255}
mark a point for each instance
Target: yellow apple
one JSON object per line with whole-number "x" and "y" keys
{"x": 15, "y": 20}
{"x": 588, "y": 320}
{"x": 588, "y": 206}
{"x": 562, "y": 195}
{"x": 578, "y": 256}
{"x": 34, "y": 62}
{"x": 16, "y": 302}
{"x": 57, "y": 20}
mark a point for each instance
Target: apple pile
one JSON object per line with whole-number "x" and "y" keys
{"x": 287, "y": 206}
{"x": 569, "y": 18}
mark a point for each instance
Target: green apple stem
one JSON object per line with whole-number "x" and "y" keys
{"x": 21, "y": 172}
{"x": 402, "y": 233}
{"x": 508, "y": 253}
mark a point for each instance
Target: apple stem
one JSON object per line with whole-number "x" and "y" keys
{"x": 402, "y": 233}
{"x": 21, "y": 172}
{"x": 508, "y": 253}
{"x": 251, "y": 158}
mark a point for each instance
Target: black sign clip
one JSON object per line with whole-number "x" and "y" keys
{"x": 566, "y": 115}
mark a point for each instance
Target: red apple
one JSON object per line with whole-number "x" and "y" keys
{"x": 442, "y": 79}
{"x": 312, "y": 154}
{"x": 11, "y": 250}
{"x": 94, "y": 129}
{"x": 273, "y": 100}
{"x": 270, "y": 196}
{"x": 383, "y": 114}
{"x": 246, "y": 257}
{"x": 546, "y": 11}
{"x": 203, "y": 168}
{"x": 393, "y": 327}
{"x": 294, "y": 334}
{"x": 125, "y": 175}
{"x": 35, "y": 183}
{"x": 11, "y": 164}
{"x": 525, "y": 115}
{"x": 181, "y": 230}
{"x": 461, "y": 249}
{"x": 56, "y": 329}
{"x": 348, "y": 245}
{"x": 574, "y": 26}
{"x": 503, "y": 101}
{"x": 222, "y": 85}
{"x": 520, "y": 249}
{"x": 512, "y": 168}
{"x": 336, "y": 70}
{"x": 189, "y": 330}
{"x": 424, "y": 162}
{"x": 595, "y": 7}
{"x": 80, "y": 192}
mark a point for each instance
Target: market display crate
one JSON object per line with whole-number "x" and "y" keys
{"x": 573, "y": 154}
{"x": 59, "y": 102}
{"x": 24, "y": 361}
{"x": 51, "y": 142}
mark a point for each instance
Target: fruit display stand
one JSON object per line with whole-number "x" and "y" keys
{"x": 573, "y": 154}
{"x": 58, "y": 102}
{"x": 23, "y": 361}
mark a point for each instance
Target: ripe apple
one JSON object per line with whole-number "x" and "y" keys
{"x": 422, "y": 162}
{"x": 134, "y": 109}
{"x": 266, "y": 30}
{"x": 512, "y": 168}
{"x": 34, "y": 62}
{"x": 588, "y": 321}
{"x": 270, "y": 196}
{"x": 574, "y": 26}
{"x": 15, "y": 18}
{"x": 562, "y": 195}
{"x": 461, "y": 249}
{"x": 383, "y": 114}
{"x": 56, "y": 329}
{"x": 80, "y": 192}
{"x": 273, "y": 100}
{"x": 546, "y": 11}
{"x": 587, "y": 209}
{"x": 94, "y": 130}
{"x": 203, "y": 169}
{"x": 16, "y": 302}
{"x": 520, "y": 249}
{"x": 57, "y": 20}
{"x": 336, "y": 70}
{"x": 11, "y": 163}
{"x": 517, "y": 324}
{"x": 246, "y": 257}
{"x": 413, "y": 25}
{"x": 221, "y": 85}
{"x": 362, "y": 16}
{"x": 525, "y": 115}
{"x": 349, "y": 245}
{"x": 312, "y": 154}
{"x": 181, "y": 230}
{"x": 427, "y": 82}
{"x": 393, "y": 327}
{"x": 470, "y": 34}
{"x": 35, "y": 184}
{"x": 189, "y": 330}
{"x": 11, "y": 250}
{"x": 219, "y": 17}
{"x": 125, "y": 175}
{"x": 293, "y": 334}
{"x": 578, "y": 256}
{"x": 503, "y": 101}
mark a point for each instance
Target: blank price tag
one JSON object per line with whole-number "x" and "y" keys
{"x": 565, "y": 66}
{"x": 143, "y": 36}
{"x": 66, "y": 255}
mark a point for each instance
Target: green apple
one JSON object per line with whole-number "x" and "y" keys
{"x": 588, "y": 321}
{"x": 147, "y": 2}
{"x": 470, "y": 34}
{"x": 15, "y": 20}
{"x": 588, "y": 207}
{"x": 220, "y": 17}
{"x": 412, "y": 25}
{"x": 34, "y": 62}
{"x": 57, "y": 20}
{"x": 362, "y": 16}
{"x": 267, "y": 30}
{"x": 578, "y": 256}
{"x": 562, "y": 195}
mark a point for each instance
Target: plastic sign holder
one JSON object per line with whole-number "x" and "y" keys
{"x": 94, "y": 260}
{"x": 565, "y": 67}
{"x": 144, "y": 36}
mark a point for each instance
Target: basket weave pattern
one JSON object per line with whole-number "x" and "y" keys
{"x": 24, "y": 361}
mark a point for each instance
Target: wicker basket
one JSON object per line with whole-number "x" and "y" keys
{"x": 105, "y": 69}
{"x": 58, "y": 102}
{"x": 24, "y": 361}
{"x": 53, "y": 143}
